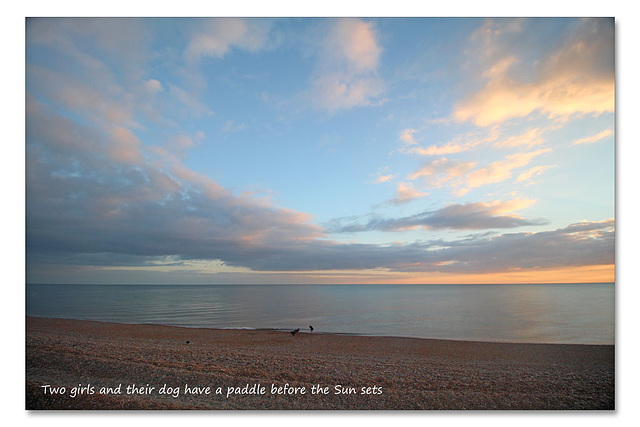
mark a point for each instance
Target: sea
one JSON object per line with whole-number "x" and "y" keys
{"x": 520, "y": 313}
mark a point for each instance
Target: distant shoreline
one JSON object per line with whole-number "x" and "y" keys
{"x": 406, "y": 373}
{"x": 315, "y": 332}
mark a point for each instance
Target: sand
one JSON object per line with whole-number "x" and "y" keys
{"x": 272, "y": 370}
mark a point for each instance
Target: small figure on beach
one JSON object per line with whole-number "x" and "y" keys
{"x": 311, "y": 328}
{"x": 294, "y": 332}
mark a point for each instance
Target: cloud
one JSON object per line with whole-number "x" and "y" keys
{"x": 580, "y": 244}
{"x": 463, "y": 176}
{"x": 102, "y": 192}
{"x": 355, "y": 41}
{"x": 230, "y": 126}
{"x": 105, "y": 104}
{"x": 594, "y": 138}
{"x": 179, "y": 144}
{"x": 215, "y": 37}
{"x": 529, "y": 138}
{"x": 212, "y": 38}
{"x": 96, "y": 69}
{"x": 95, "y": 191}
{"x": 458, "y": 144}
{"x": 124, "y": 146}
{"x": 442, "y": 171}
{"x": 152, "y": 86}
{"x": 577, "y": 79}
{"x": 113, "y": 202}
{"x": 346, "y": 73}
{"x": 500, "y": 170}
{"x": 449, "y": 148}
{"x": 533, "y": 172}
{"x": 406, "y": 136}
{"x": 125, "y": 41}
{"x": 336, "y": 90}
{"x": 104, "y": 142}
{"x": 383, "y": 178}
{"x": 406, "y": 193}
{"x": 86, "y": 207}
{"x": 469, "y": 216}
{"x": 189, "y": 100}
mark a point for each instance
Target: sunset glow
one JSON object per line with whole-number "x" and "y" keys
{"x": 295, "y": 151}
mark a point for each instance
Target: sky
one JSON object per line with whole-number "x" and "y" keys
{"x": 320, "y": 150}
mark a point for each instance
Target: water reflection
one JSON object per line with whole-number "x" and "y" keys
{"x": 514, "y": 313}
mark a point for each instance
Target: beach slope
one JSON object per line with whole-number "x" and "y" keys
{"x": 117, "y": 366}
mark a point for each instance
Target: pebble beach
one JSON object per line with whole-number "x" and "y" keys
{"x": 73, "y": 364}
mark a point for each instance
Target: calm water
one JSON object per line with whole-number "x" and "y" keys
{"x": 577, "y": 313}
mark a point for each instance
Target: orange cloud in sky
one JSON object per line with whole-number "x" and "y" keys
{"x": 500, "y": 170}
{"x": 433, "y": 150}
{"x": 499, "y": 207}
{"x": 533, "y": 172}
{"x": 442, "y": 170}
{"x": 529, "y": 138}
{"x": 383, "y": 178}
{"x": 458, "y": 144}
{"x": 406, "y": 136}
{"x": 405, "y": 193}
{"x": 462, "y": 176}
{"x": 571, "y": 81}
{"x": 594, "y": 138}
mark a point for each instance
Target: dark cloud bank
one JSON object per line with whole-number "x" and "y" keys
{"x": 470, "y": 216}
{"x": 85, "y": 208}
